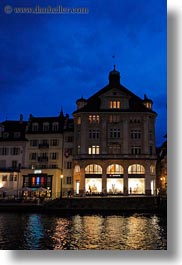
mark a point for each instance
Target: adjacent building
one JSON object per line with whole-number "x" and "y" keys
{"x": 12, "y": 153}
{"x": 48, "y": 154}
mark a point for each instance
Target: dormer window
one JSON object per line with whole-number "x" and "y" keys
{"x": 114, "y": 104}
{"x": 46, "y": 127}
{"x": 35, "y": 127}
{"x": 148, "y": 105}
{"x": 55, "y": 127}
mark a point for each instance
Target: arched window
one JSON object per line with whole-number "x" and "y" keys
{"x": 77, "y": 169}
{"x": 115, "y": 169}
{"x": 136, "y": 169}
{"x": 93, "y": 169}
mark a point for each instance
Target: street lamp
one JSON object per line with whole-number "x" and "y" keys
{"x": 61, "y": 192}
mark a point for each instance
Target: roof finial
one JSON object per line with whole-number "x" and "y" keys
{"x": 114, "y": 62}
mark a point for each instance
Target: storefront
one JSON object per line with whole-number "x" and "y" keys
{"x": 136, "y": 179}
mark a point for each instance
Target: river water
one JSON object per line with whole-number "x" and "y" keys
{"x": 83, "y": 232}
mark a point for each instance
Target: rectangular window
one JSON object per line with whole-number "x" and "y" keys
{"x": 15, "y": 151}
{"x": 69, "y": 139}
{"x": 68, "y": 165}
{"x": 4, "y": 178}
{"x": 4, "y": 151}
{"x": 136, "y": 150}
{"x": 115, "y": 104}
{"x": 114, "y": 118}
{"x": 38, "y": 181}
{"x": 14, "y": 164}
{"x": 94, "y": 118}
{"x": 45, "y": 127}
{"x": 33, "y": 142}
{"x": 135, "y": 134}
{"x": 54, "y": 156}
{"x": 55, "y": 127}
{"x": 33, "y": 181}
{"x": 68, "y": 180}
{"x": 35, "y": 127}
{"x": 94, "y": 134}
{"x": 114, "y": 149}
{"x": 114, "y": 133}
{"x": 33, "y": 156}
{"x": 79, "y": 120}
{"x": 54, "y": 142}
{"x": 94, "y": 150}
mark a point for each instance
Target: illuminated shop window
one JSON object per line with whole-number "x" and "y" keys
{"x": 93, "y": 185}
{"x": 38, "y": 181}
{"x": 136, "y": 169}
{"x": 93, "y": 169}
{"x": 115, "y": 185}
{"x": 115, "y": 169}
{"x": 33, "y": 181}
{"x": 136, "y": 185}
{"x": 42, "y": 180}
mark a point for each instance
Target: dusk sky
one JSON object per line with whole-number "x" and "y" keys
{"x": 48, "y": 61}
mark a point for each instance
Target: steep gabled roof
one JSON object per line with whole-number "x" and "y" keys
{"x": 93, "y": 104}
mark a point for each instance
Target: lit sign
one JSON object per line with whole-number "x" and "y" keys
{"x": 38, "y": 171}
{"x": 115, "y": 175}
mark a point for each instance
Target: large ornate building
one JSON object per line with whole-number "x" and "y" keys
{"x": 114, "y": 142}
{"x": 108, "y": 147}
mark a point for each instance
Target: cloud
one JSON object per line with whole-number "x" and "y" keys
{"x": 67, "y": 56}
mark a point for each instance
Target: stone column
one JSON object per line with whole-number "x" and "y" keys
{"x": 125, "y": 190}
{"x": 103, "y": 134}
{"x": 147, "y": 179}
{"x": 82, "y": 181}
{"x": 146, "y": 136}
{"x": 104, "y": 181}
{"x": 125, "y": 137}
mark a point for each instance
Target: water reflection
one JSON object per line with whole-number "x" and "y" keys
{"x": 35, "y": 231}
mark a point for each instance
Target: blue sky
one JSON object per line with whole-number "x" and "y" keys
{"x": 48, "y": 61}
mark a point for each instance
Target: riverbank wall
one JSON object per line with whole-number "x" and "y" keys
{"x": 76, "y": 205}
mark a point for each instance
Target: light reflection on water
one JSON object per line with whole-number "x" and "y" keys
{"x": 36, "y": 231}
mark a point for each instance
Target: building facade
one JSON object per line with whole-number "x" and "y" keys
{"x": 108, "y": 147}
{"x": 12, "y": 153}
{"x": 48, "y": 154}
{"x": 114, "y": 142}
